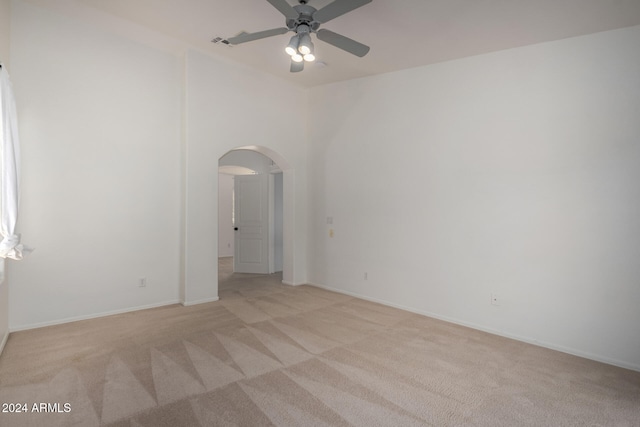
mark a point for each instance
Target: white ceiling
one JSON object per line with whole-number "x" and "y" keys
{"x": 401, "y": 33}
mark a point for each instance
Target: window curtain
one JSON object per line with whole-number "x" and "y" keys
{"x": 10, "y": 246}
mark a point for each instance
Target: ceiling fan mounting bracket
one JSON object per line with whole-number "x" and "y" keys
{"x": 305, "y": 17}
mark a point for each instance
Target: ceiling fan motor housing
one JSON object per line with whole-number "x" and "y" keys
{"x": 305, "y": 17}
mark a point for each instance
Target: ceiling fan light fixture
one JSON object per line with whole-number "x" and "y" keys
{"x": 292, "y": 47}
{"x": 309, "y": 57}
{"x": 297, "y": 58}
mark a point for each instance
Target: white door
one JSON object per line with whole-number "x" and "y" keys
{"x": 251, "y": 224}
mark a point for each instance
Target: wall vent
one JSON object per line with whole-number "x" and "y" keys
{"x": 220, "y": 40}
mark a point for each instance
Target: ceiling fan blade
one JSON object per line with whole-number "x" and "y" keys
{"x": 342, "y": 42}
{"x": 296, "y": 67}
{"x": 284, "y": 8}
{"x": 249, "y": 37}
{"x": 337, "y": 8}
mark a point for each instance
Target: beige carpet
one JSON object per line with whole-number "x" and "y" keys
{"x": 269, "y": 354}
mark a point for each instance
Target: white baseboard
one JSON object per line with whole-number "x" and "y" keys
{"x": 91, "y": 316}
{"x": 284, "y": 282}
{"x": 528, "y": 340}
{"x": 3, "y": 342}
{"x": 200, "y": 301}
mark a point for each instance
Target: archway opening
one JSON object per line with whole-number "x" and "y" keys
{"x": 256, "y": 172}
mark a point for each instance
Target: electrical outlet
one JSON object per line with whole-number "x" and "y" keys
{"x": 495, "y": 299}
{"x": 366, "y": 276}
{"x": 331, "y": 232}
{"x": 142, "y": 282}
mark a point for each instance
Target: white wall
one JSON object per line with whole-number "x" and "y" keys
{"x": 278, "y": 222}
{"x": 225, "y": 218}
{"x": 515, "y": 173}
{"x": 100, "y": 127}
{"x": 5, "y": 32}
{"x": 230, "y": 106}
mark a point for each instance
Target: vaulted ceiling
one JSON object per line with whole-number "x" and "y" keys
{"x": 401, "y": 33}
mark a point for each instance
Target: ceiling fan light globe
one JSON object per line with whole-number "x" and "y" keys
{"x": 297, "y": 58}
{"x": 290, "y": 51}
{"x": 309, "y": 57}
{"x": 305, "y": 46}
{"x": 305, "y": 50}
{"x": 292, "y": 47}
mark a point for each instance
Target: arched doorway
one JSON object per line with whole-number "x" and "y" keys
{"x": 250, "y": 166}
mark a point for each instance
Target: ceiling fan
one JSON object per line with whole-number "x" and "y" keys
{"x": 304, "y": 20}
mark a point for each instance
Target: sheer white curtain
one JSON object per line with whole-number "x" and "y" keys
{"x": 10, "y": 246}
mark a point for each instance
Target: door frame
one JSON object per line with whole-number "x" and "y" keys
{"x": 288, "y": 207}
